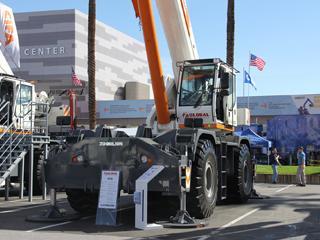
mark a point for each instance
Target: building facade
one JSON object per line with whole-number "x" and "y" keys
{"x": 54, "y": 42}
{"x": 264, "y": 108}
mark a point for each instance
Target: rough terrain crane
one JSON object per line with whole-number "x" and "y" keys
{"x": 193, "y": 123}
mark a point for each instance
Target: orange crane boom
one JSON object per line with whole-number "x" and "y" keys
{"x": 143, "y": 9}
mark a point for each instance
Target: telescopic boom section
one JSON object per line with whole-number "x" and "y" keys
{"x": 144, "y": 11}
{"x": 177, "y": 27}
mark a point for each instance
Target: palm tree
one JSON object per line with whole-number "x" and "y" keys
{"x": 230, "y": 33}
{"x": 92, "y": 63}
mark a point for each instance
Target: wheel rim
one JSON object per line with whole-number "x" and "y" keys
{"x": 208, "y": 180}
{"x": 245, "y": 173}
{"x": 246, "y": 177}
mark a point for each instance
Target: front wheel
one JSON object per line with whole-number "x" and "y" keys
{"x": 204, "y": 181}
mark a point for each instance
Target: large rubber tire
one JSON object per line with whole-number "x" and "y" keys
{"x": 37, "y": 168}
{"x": 240, "y": 186}
{"x": 82, "y": 202}
{"x": 202, "y": 198}
{"x": 37, "y": 172}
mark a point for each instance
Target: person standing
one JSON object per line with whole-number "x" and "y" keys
{"x": 274, "y": 160}
{"x": 301, "y": 178}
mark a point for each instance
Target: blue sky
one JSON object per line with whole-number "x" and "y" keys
{"x": 284, "y": 33}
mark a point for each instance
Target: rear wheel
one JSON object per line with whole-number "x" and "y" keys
{"x": 83, "y": 202}
{"x": 240, "y": 186}
{"x": 38, "y": 173}
{"x": 204, "y": 181}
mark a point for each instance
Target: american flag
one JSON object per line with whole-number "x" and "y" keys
{"x": 75, "y": 80}
{"x": 258, "y": 62}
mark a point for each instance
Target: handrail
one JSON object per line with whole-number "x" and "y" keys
{"x": 4, "y": 105}
{"x": 11, "y": 145}
{"x": 12, "y": 148}
{"x": 12, "y": 137}
{"x": 6, "y": 130}
{"x": 3, "y": 117}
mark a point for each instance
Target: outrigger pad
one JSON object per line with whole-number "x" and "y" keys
{"x": 184, "y": 220}
{"x": 53, "y": 214}
{"x": 255, "y": 195}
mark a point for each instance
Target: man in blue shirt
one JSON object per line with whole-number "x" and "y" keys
{"x": 301, "y": 156}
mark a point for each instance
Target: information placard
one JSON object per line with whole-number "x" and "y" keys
{"x": 151, "y": 173}
{"x": 109, "y": 189}
{"x": 141, "y": 198}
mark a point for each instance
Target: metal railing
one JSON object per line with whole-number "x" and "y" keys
{"x": 34, "y": 117}
{"x": 5, "y": 114}
{"x": 16, "y": 133}
{"x": 10, "y": 140}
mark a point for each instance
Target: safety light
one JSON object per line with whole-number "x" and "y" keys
{"x": 188, "y": 178}
{"x": 144, "y": 159}
{"x": 77, "y": 158}
{"x": 149, "y": 162}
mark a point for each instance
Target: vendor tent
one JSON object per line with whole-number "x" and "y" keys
{"x": 256, "y": 141}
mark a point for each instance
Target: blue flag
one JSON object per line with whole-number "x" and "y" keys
{"x": 247, "y": 79}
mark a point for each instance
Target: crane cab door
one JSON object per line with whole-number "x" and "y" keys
{"x": 6, "y": 95}
{"x": 20, "y": 94}
{"x": 23, "y": 110}
{"x": 231, "y": 102}
{"x": 226, "y": 101}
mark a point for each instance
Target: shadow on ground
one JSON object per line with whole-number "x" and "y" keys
{"x": 307, "y": 228}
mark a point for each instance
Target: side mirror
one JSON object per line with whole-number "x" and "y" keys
{"x": 225, "y": 80}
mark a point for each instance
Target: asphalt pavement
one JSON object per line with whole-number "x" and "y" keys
{"x": 289, "y": 212}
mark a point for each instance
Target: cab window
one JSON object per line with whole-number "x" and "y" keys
{"x": 24, "y": 96}
{"x": 197, "y": 85}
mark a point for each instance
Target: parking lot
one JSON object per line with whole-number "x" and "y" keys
{"x": 289, "y": 212}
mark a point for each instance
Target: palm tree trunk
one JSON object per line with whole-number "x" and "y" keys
{"x": 230, "y": 33}
{"x": 92, "y": 63}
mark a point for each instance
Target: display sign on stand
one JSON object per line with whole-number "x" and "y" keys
{"x": 141, "y": 198}
{"x": 108, "y": 198}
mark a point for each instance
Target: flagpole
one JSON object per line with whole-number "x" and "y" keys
{"x": 248, "y": 106}
{"x": 243, "y": 81}
{"x": 248, "y": 97}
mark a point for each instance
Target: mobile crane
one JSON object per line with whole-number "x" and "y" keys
{"x": 193, "y": 123}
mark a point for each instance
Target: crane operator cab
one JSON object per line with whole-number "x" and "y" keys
{"x": 207, "y": 94}
{"x": 15, "y": 98}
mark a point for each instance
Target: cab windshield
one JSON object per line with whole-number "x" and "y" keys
{"x": 24, "y": 97}
{"x": 197, "y": 85}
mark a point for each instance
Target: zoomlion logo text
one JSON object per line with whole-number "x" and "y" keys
{"x": 195, "y": 115}
{"x": 8, "y": 27}
{"x": 112, "y": 144}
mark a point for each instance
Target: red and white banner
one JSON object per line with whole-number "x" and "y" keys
{"x": 9, "y": 40}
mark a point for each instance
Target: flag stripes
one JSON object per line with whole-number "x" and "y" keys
{"x": 257, "y": 62}
{"x": 75, "y": 80}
